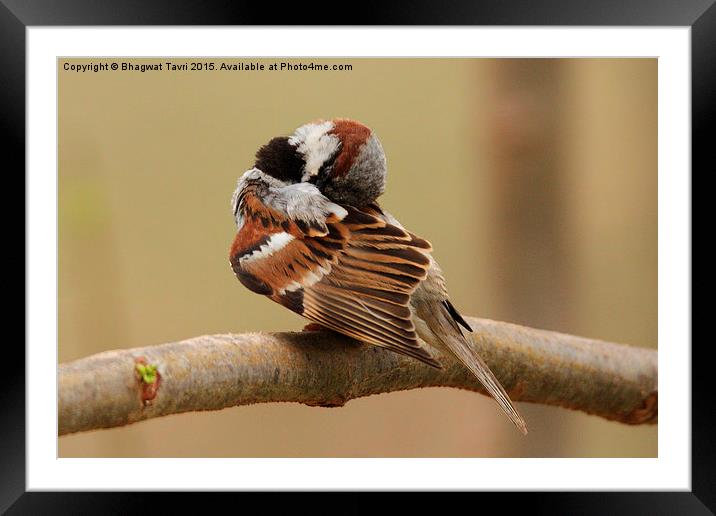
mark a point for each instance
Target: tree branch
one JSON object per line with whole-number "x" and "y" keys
{"x": 323, "y": 368}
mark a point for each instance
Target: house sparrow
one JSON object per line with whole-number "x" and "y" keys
{"x": 312, "y": 238}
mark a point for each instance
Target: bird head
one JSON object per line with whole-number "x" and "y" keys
{"x": 342, "y": 157}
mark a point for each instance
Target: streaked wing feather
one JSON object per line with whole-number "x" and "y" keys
{"x": 341, "y": 267}
{"x": 367, "y": 292}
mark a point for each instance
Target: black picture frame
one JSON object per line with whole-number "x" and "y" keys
{"x": 17, "y": 15}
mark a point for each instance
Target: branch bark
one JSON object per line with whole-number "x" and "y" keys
{"x": 212, "y": 372}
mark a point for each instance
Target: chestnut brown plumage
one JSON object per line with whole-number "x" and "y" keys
{"x": 312, "y": 238}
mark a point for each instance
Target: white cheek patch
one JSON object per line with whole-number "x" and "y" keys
{"x": 316, "y": 145}
{"x": 277, "y": 242}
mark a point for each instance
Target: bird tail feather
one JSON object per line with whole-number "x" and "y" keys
{"x": 445, "y": 328}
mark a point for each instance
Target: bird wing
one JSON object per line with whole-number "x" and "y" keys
{"x": 367, "y": 293}
{"x": 342, "y": 267}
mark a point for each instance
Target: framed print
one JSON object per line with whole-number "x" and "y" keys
{"x": 244, "y": 216}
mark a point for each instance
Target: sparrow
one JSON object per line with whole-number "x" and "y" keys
{"x": 312, "y": 237}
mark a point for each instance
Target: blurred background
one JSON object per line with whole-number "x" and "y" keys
{"x": 535, "y": 180}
